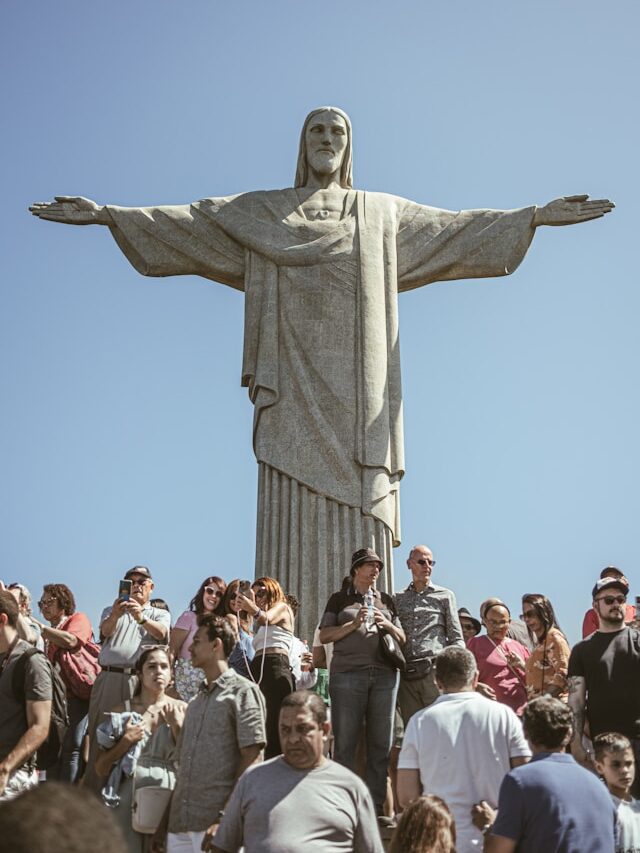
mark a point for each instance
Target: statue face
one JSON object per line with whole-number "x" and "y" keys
{"x": 326, "y": 141}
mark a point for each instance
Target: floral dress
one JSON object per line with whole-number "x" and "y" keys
{"x": 547, "y": 666}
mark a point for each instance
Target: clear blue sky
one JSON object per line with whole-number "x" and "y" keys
{"x": 125, "y": 434}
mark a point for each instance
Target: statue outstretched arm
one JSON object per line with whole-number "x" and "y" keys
{"x": 571, "y": 210}
{"x": 71, "y": 210}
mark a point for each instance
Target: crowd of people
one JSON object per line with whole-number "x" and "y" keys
{"x": 408, "y": 725}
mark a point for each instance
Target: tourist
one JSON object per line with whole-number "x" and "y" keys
{"x": 151, "y": 719}
{"x": 429, "y": 619}
{"x": 69, "y": 645}
{"x": 223, "y": 734}
{"x": 590, "y": 622}
{"x": 270, "y": 668}
{"x": 461, "y": 746}
{"x": 300, "y": 800}
{"x": 207, "y": 599}
{"x": 615, "y": 763}
{"x": 551, "y": 805}
{"x": 545, "y": 670}
{"x": 471, "y": 626}
{"x": 362, "y": 683}
{"x": 127, "y": 626}
{"x": 24, "y": 725}
{"x": 231, "y": 608}
{"x": 501, "y": 661}
{"x": 425, "y": 826}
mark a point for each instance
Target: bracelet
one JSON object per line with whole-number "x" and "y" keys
{"x": 143, "y": 620}
{"x": 485, "y": 829}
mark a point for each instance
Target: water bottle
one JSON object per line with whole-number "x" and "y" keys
{"x": 369, "y": 620}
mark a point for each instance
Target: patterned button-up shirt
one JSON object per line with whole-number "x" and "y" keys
{"x": 429, "y": 619}
{"x": 225, "y": 717}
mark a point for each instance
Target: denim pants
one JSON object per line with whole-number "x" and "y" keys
{"x": 365, "y": 696}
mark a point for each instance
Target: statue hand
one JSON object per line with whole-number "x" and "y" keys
{"x": 72, "y": 210}
{"x": 572, "y": 209}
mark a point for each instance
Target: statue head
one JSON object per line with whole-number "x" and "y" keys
{"x": 302, "y": 170}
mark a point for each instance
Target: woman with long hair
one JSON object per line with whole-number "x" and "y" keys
{"x": 243, "y": 651}
{"x": 208, "y": 599}
{"x": 67, "y": 631}
{"x": 153, "y": 719}
{"x": 546, "y": 669}
{"x": 426, "y": 826}
{"x": 270, "y": 668}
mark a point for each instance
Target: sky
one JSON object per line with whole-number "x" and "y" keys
{"x": 125, "y": 435}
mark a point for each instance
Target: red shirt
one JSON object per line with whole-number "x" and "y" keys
{"x": 77, "y": 624}
{"x": 493, "y": 669}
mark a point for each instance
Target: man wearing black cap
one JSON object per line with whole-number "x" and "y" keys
{"x": 128, "y": 625}
{"x": 590, "y": 621}
{"x": 604, "y": 673}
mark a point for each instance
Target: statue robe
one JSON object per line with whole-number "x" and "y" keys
{"x": 321, "y": 352}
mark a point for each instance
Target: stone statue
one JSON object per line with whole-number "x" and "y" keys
{"x": 321, "y": 265}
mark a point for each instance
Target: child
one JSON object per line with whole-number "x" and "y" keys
{"x": 616, "y": 764}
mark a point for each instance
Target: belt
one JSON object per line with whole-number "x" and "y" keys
{"x": 123, "y": 670}
{"x": 272, "y": 650}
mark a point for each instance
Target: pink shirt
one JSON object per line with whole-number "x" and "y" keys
{"x": 187, "y": 621}
{"x": 494, "y": 671}
{"x": 77, "y": 624}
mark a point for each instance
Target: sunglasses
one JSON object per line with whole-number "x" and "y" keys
{"x": 425, "y": 562}
{"x": 45, "y": 602}
{"x": 260, "y": 590}
{"x": 138, "y": 581}
{"x": 612, "y": 599}
{"x": 528, "y": 614}
{"x": 211, "y": 590}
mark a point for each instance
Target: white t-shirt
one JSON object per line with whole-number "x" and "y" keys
{"x": 461, "y": 744}
{"x": 628, "y": 828}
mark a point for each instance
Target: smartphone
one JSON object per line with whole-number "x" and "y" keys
{"x": 124, "y": 590}
{"x": 245, "y": 586}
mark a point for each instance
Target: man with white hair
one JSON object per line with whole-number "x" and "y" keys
{"x": 461, "y": 747}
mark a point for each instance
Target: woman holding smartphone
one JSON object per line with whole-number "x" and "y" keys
{"x": 208, "y": 599}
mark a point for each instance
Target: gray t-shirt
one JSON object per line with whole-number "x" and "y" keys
{"x": 37, "y": 687}
{"x": 275, "y": 808}
{"x": 122, "y": 648}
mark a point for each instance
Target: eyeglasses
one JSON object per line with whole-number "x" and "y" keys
{"x": 425, "y": 562}
{"x": 211, "y": 590}
{"x": 44, "y": 602}
{"x": 138, "y": 581}
{"x": 612, "y": 599}
{"x": 501, "y": 624}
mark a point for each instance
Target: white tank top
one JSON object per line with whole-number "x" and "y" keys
{"x": 277, "y": 637}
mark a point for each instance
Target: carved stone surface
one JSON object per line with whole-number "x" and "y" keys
{"x": 321, "y": 265}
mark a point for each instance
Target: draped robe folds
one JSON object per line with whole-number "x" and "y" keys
{"x": 321, "y": 352}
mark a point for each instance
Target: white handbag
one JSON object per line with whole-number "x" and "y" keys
{"x": 148, "y": 807}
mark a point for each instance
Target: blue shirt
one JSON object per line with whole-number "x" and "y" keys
{"x": 554, "y": 805}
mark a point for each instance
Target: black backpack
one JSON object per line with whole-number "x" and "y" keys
{"x": 49, "y": 752}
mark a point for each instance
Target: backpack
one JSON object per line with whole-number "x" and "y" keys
{"x": 48, "y": 752}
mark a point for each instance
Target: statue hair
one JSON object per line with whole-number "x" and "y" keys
{"x": 346, "y": 167}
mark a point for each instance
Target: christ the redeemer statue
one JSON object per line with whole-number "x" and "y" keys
{"x": 321, "y": 265}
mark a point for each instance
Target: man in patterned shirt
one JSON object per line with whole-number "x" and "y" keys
{"x": 429, "y": 617}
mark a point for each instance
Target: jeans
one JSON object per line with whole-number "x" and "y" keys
{"x": 69, "y": 764}
{"x": 367, "y": 696}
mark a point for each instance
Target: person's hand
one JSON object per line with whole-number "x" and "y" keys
{"x": 209, "y": 837}
{"x": 571, "y": 210}
{"x": 482, "y": 815}
{"x": 133, "y": 732}
{"x": 582, "y": 756}
{"x": 4, "y": 778}
{"x": 360, "y": 616}
{"x": 71, "y": 210}
{"x": 486, "y": 691}
{"x": 119, "y": 607}
{"x": 173, "y": 714}
{"x": 306, "y": 661}
{"x": 514, "y": 660}
{"x": 134, "y": 608}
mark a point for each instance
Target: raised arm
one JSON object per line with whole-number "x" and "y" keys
{"x": 571, "y": 210}
{"x": 71, "y": 210}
